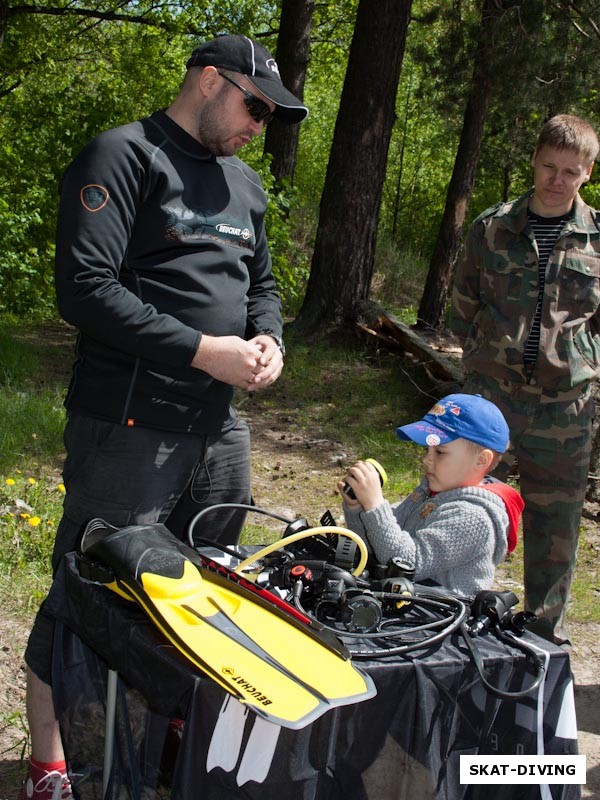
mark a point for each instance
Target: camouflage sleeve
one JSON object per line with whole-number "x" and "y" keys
{"x": 595, "y": 325}
{"x": 465, "y": 294}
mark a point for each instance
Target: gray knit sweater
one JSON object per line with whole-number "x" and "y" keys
{"x": 453, "y": 538}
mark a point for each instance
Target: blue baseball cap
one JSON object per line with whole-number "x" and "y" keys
{"x": 460, "y": 416}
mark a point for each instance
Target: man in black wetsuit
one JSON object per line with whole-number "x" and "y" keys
{"x": 163, "y": 267}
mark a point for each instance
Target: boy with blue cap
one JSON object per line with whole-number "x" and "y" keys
{"x": 459, "y": 523}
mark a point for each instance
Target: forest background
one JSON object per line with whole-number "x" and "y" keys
{"x": 423, "y": 114}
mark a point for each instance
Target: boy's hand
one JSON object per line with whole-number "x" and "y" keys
{"x": 346, "y": 499}
{"x": 366, "y": 484}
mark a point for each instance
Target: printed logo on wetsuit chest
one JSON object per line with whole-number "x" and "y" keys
{"x": 231, "y": 230}
{"x": 186, "y": 226}
{"x": 93, "y": 197}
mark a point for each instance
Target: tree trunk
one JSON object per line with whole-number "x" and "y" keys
{"x": 3, "y": 19}
{"x": 343, "y": 259}
{"x": 293, "y": 46}
{"x": 447, "y": 247}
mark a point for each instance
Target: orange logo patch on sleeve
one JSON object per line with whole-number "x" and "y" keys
{"x": 94, "y": 197}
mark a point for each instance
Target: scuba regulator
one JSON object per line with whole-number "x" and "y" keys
{"x": 326, "y": 574}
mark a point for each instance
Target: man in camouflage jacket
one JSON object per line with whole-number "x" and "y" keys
{"x": 526, "y": 305}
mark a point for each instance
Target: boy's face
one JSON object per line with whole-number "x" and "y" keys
{"x": 557, "y": 176}
{"x": 449, "y": 466}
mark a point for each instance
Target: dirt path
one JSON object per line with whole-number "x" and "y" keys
{"x": 585, "y": 663}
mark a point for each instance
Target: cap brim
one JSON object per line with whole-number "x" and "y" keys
{"x": 287, "y": 107}
{"x": 425, "y": 434}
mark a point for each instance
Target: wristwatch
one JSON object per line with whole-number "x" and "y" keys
{"x": 278, "y": 340}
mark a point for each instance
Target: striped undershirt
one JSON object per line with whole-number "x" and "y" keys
{"x": 546, "y": 231}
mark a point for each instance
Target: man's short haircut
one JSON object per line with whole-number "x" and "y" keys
{"x": 567, "y": 132}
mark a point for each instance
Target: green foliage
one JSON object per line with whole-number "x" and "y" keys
{"x": 25, "y": 289}
{"x": 420, "y": 161}
{"x": 291, "y": 265}
{"x": 429, "y": 110}
{"x": 44, "y": 123}
{"x": 332, "y": 34}
{"x": 63, "y": 79}
{"x": 400, "y": 274}
{"x": 36, "y": 418}
{"x": 591, "y": 193}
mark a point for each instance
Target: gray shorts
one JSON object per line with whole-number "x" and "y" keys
{"x": 129, "y": 476}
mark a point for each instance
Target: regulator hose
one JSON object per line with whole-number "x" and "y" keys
{"x": 456, "y": 614}
{"x": 509, "y": 638}
{"x": 280, "y": 543}
{"x": 294, "y": 537}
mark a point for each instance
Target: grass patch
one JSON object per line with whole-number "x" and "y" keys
{"x": 30, "y": 403}
{"x": 30, "y": 509}
{"x": 31, "y": 396}
{"x": 347, "y": 391}
{"x": 18, "y": 361}
{"x": 400, "y": 274}
{"x": 585, "y": 592}
{"x": 34, "y": 434}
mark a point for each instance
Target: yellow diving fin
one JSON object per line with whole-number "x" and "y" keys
{"x": 270, "y": 656}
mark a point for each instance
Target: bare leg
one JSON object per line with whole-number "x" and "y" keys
{"x": 46, "y": 744}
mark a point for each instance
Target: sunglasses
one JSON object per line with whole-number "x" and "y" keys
{"x": 257, "y": 108}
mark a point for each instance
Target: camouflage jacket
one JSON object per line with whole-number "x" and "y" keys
{"x": 496, "y": 290}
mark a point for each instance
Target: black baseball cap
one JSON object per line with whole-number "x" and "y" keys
{"x": 240, "y": 54}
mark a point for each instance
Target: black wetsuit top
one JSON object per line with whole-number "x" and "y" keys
{"x": 158, "y": 242}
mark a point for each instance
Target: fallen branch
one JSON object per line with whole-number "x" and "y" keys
{"x": 375, "y": 321}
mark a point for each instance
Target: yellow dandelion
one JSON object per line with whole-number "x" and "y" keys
{"x": 34, "y": 521}
{"x": 61, "y": 488}
{"x": 31, "y": 480}
{"x": 10, "y": 481}
{"x": 24, "y": 515}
